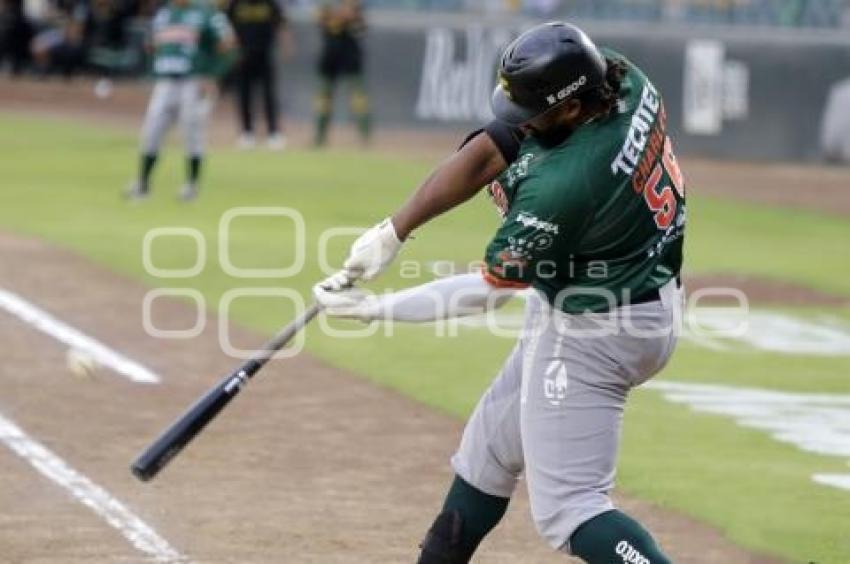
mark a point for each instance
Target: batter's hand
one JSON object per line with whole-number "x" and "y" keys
{"x": 339, "y": 299}
{"x": 372, "y": 252}
{"x": 335, "y": 283}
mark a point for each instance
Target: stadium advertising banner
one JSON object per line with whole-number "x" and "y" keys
{"x": 441, "y": 76}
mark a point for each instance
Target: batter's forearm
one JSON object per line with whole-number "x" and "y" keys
{"x": 437, "y": 195}
{"x": 459, "y": 178}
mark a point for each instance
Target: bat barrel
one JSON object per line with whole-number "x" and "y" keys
{"x": 166, "y": 447}
{"x": 192, "y": 422}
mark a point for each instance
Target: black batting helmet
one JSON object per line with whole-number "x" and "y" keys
{"x": 542, "y": 68}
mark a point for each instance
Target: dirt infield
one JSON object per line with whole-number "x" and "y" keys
{"x": 763, "y": 291}
{"x": 298, "y": 469}
{"x": 819, "y": 188}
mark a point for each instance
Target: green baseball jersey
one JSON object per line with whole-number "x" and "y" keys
{"x": 185, "y": 39}
{"x": 598, "y": 219}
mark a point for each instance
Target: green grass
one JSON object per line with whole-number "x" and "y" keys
{"x": 753, "y": 488}
{"x": 786, "y": 244}
{"x": 62, "y": 182}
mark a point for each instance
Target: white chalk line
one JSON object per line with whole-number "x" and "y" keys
{"x": 816, "y": 423}
{"x": 136, "y": 531}
{"x": 835, "y": 480}
{"x": 75, "y": 339}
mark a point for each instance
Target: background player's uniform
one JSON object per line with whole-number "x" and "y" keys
{"x": 594, "y": 223}
{"x": 257, "y": 23}
{"x": 342, "y": 27}
{"x": 185, "y": 39}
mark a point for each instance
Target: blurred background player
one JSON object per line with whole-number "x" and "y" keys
{"x": 70, "y": 37}
{"x": 342, "y": 26}
{"x": 191, "y": 42}
{"x": 258, "y": 25}
{"x": 110, "y": 51}
{"x": 60, "y": 45}
{"x": 15, "y": 35}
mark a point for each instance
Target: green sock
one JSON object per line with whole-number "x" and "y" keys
{"x": 615, "y": 538}
{"x": 322, "y": 122}
{"x": 468, "y": 515}
{"x": 480, "y": 511}
{"x": 364, "y": 125}
{"x": 193, "y": 168}
{"x": 147, "y": 164}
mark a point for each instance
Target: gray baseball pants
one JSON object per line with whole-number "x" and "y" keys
{"x": 555, "y": 411}
{"x": 172, "y": 100}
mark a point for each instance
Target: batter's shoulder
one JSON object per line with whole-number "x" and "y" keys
{"x": 558, "y": 188}
{"x": 507, "y": 139}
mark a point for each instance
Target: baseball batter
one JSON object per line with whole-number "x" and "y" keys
{"x": 191, "y": 43}
{"x": 580, "y": 164}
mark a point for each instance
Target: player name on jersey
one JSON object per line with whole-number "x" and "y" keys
{"x": 635, "y": 142}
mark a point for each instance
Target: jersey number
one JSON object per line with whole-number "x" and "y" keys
{"x": 663, "y": 202}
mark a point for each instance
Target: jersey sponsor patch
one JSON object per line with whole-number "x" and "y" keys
{"x": 532, "y": 221}
{"x": 503, "y": 189}
{"x": 500, "y": 199}
{"x": 518, "y": 170}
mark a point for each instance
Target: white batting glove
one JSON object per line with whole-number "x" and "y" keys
{"x": 336, "y": 282}
{"x": 339, "y": 299}
{"x": 372, "y": 252}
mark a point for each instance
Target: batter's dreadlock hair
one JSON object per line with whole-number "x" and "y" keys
{"x": 603, "y": 99}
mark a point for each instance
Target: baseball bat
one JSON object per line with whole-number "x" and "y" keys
{"x": 192, "y": 422}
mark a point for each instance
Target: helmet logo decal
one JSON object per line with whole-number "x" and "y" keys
{"x": 571, "y": 88}
{"x": 503, "y": 82}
